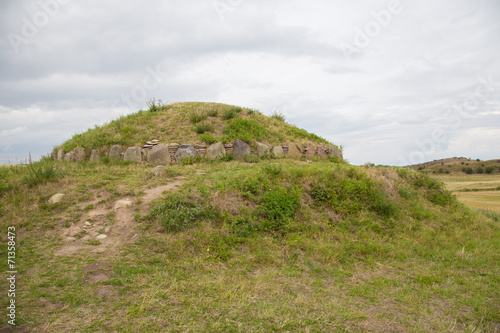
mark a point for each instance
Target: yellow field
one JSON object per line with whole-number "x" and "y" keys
{"x": 477, "y": 191}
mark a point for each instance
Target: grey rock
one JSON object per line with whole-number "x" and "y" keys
{"x": 94, "y": 156}
{"x": 334, "y": 152}
{"x": 240, "y": 149}
{"x": 185, "y": 151}
{"x": 278, "y": 151}
{"x": 60, "y": 155}
{"x": 133, "y": 154}
{"x": 159, "y": 155}
{"x": 159, "y": 170}
{"x": 114, "y": 152}
{"x": 69, "y": 157}
{"x": 102, "y": 236}
{"x": 80, "y": 154}
{"x": 322, "y": 152}
{"x": 294, "y": 151}
{"x": 215, "y": 150}
{"x": 310, "y": 151}
{"x": 262, "y": 149}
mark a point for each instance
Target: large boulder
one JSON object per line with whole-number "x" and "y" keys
{"x": 277, "y": 151}
{"x": 262, "y": 149}
{"x": 185, "y": 151}
{"x": 240, "y": 149}
{"x": 159, "y": 155}
{"x": 94, "y": 156}
{"x": 114, "y": 152}
{"x": 133, "y": 154}
{"x": 322, "y": 152}
{"x": 215, "y": 150}
{"x": 80, "y": 154}
{"x": 294, "y": 151}
{"x": 60, "y": 155}
{"x": 310, "y": 151}
{"x": 334, "y": 152}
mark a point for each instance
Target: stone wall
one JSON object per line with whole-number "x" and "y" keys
{"x": 155, "y": 152}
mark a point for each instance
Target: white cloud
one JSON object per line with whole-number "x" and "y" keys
{"x": 280, "y": 55}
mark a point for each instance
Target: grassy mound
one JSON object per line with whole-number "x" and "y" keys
{"x": 191, "y": 123}
{"x": 278, "y": 246}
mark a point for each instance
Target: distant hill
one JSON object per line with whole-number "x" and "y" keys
{"x": 459, "y": 164}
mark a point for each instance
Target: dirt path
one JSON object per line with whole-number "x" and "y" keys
{"x": 106, "y": 230}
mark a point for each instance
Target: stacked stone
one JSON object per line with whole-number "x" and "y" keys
{"x": 150, "y": 144}
{"x": 157, "y": 154}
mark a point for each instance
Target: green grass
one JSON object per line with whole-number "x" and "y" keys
{"x": 279, "y": 246}
{"x": 174, "y": 123}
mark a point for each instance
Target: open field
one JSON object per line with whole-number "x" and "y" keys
{"x": 478, "y": 191}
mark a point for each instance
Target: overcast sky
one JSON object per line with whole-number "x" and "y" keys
{"x": 393, "y": 82}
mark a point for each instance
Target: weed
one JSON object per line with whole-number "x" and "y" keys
{"x": 202, "y": 128}
{"x": 250, "y": 112}
{"x": 209, "y": 139}
{"x": 227, "y": 158}
{"x": 278, "y": 116}
{"x": 229, "y": 114}
{"x": 92, "y": 242}
{"x": 251, "y": 158}
{"x": 272, "y": 170}
{"x": 279, "y": 205}
{"x": 195, "y": 117}
{"x": 177, "y": 214}
{"x": 40, "y": 172}
{"x": 212, "y": 113}
{"x": 153, "y": 107}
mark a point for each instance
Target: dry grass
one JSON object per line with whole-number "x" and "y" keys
{"x": 323, "y": 271}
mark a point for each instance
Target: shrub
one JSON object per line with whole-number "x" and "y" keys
{"x": 152, "y": 106}
{"x": 278, "y": 116}
{"x": 479, "y": 170}
{"x": 250, "y": 112}
{"x": 202, "y": 128}
{"x": 209, "y": 139}
{"x": 40, "y": 172}
{"x": 177, "y": 214}
{"x": 195, "y": 117}
{"x": 489, "y": 169}
{"x": 468, "y": 170}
